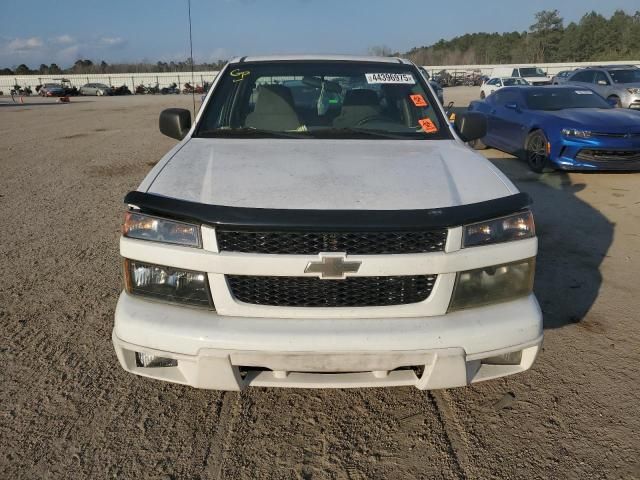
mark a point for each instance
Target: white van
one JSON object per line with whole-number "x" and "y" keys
{"x": 533, "y": 75}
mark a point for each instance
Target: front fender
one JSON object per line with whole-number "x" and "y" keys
{"x": 554, "y": 137}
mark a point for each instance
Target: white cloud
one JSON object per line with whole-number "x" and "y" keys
{"x": 112, "y": 42}
{"x": 63, "y": 39}
{"x": 69, "y": 54}
{"x": 24, "y": 44}
{"x": 62, "y": 48}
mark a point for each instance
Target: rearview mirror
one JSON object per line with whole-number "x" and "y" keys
{"x": 471, "y": 125}
{"x": 175, "y": 122}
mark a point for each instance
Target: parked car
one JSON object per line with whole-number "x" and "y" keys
{"x": 98, "y": 89}
{"x": 619, "y": 83}
{"x": 497, "y": 83}
{"x": 561, "y": 77}
{"x": 561, "y": 127}
{"x": 347, "y": 238}
{"x": 533, "y": 75}
{"x": 51, "y": 90}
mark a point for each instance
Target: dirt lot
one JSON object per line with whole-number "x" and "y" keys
{"x": 70, "y": 411}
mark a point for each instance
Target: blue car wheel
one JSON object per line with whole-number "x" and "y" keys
{"x": 536, "y": 152}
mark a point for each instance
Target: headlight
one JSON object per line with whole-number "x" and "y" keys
{"x": 156, "y": 229}
{"x": 572, "y": 132}
{"x": 498, "y": 283}
{"x": 167, "y": 283}
{"x": 634, "y": 91}
{"x": 498, "y": 230}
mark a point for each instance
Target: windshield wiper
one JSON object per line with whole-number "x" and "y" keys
{"x": 360, "y": 131}
{"x": 249, "y": 132}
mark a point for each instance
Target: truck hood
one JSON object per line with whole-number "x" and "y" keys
{"x": 327, "y": 174}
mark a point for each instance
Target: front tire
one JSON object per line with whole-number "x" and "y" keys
{"x": 535, "y": 152}
{"x": 99, "y": 93}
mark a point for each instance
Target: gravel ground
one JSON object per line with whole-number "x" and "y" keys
{"x": 69, "y": 410}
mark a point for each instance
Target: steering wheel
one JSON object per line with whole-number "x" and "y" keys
{"x": 371, "y": 118}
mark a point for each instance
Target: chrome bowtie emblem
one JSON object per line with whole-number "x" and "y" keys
{"x": 332, "y": 266}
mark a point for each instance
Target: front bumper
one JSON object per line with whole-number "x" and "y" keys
{"x": 233, "y": 353}
{"x": 631, "y": 100}
{"x": 565, "y": 153}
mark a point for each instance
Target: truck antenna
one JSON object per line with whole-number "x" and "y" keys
{"x": 193, "y": 88}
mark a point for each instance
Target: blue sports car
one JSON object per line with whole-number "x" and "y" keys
{"x": 561, "y": 127}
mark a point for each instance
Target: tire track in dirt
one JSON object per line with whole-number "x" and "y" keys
{"x": 344, "y": 434}
{"x": 219, "y": 447}
{"x": 454, "y": 433}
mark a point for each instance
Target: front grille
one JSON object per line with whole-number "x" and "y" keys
{"x": 311, "y": 243}
{"x": 313, "y": 292}
{"x": 619, "y": 157}
{"x": 616, "y": 135}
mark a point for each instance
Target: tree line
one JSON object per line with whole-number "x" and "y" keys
{"x": 593, "y": 38}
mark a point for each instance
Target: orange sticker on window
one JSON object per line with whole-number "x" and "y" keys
{"x": 418, "y": 100}
{"x": 427, "y": 125}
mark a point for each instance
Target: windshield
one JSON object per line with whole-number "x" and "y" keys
{"x": 559, "y": 99}
{"x": 508, "y": 82}
{"x": 322, "y": 99}
{"x": 532, "y": 72}
{"x": 625, "y": 76}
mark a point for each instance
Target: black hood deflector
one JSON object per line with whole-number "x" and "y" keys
{"x": 243, "y": 218}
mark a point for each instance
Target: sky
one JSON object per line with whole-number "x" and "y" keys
{"x": 62, "y": 31}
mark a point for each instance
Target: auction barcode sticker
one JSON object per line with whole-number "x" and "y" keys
{"x": 403, "y": 78}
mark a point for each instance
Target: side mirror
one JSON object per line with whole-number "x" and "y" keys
{"x": 471, "y": 125}
{"x": 512, "y": 106}
{"x": 175, "y": 122}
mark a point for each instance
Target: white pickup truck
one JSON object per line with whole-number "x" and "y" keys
{"x": 322, "y": 224}
{"x": 533, "y": 75}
